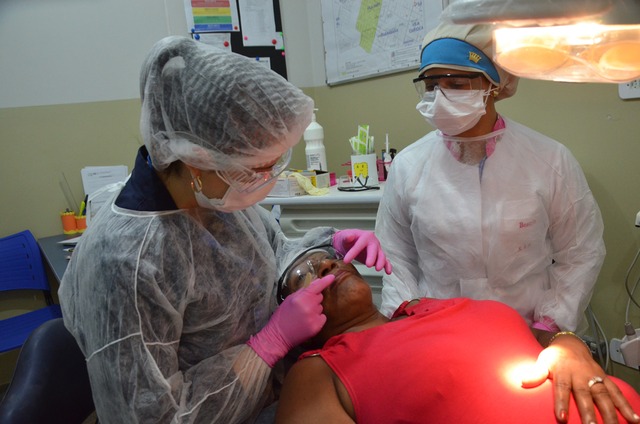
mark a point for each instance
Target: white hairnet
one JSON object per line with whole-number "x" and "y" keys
{"x": 205, "y": 106}
{"x": 479, "y": 36}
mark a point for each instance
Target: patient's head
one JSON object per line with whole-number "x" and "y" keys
{"x": 345, "y": 303}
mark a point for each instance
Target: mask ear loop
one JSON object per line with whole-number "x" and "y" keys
{"x": 491, "y": 92}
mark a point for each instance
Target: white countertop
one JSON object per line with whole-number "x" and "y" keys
{"x": 335, "y": 196}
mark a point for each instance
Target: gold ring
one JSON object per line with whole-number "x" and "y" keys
{"x": 595, "y": 380}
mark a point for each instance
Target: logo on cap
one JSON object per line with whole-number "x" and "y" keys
{"x": 474, "y": 57}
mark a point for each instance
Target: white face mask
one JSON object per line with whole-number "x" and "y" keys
{"x": 232, "y": 200}
{"x": 455, "y": 112}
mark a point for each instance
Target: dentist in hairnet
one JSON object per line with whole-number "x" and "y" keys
{"x": 486, "y": 208}
{"x": 171, "y": 290}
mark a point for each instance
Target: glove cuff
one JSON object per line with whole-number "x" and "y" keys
{"x": 263, "y": 351}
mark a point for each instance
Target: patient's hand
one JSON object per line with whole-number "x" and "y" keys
{"x": 569, "y": 363}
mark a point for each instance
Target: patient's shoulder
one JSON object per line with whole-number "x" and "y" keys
{"x": 311, "y": 373}
{"x": 309, "y": 394}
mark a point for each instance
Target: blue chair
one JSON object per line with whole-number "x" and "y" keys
{"x": 21, "y": 268}
{"x": 50, "y": 384}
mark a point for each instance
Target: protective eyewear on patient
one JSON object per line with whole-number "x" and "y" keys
{"x": 304, "y": 269}
{"x": 428, "y": 83}
{"x": 247, "y": 180}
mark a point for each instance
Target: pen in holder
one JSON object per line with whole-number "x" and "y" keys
{"x": 364, "y": 170}
{"x": 68, "y": 222}
{"x": 81, "y": 218}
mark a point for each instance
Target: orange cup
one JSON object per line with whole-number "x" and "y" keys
{"x": 68, "y": 223}
{"x": 81, "y": 223}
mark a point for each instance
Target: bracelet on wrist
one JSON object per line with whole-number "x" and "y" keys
{"x": 568, "y": 333}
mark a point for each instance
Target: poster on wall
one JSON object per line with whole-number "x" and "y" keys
{"x": 252, "y": 28}
{"x": 368, "y": 38}
{"x": 212, "y": 15}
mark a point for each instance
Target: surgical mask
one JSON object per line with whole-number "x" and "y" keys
{"x": 453, "y": 111}
{"x": 233, "y": 200}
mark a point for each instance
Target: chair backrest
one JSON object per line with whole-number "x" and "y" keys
{"x": 50, "y": 384}
{"x": 21, "y": 268}
{"x": 21, "y": 265}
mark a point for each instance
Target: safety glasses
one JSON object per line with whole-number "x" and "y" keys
{"x": 247, "y": 180}
{"x": 358, "y": 184}
{"x": 303, "y": 270}
{"x": 428, "y": 83}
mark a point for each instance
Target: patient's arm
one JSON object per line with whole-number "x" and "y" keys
{"x": 310, "y": 395}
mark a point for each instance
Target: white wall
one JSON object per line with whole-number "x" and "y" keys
{"x": 304, "y": 46}
{"x": 76, "y": 51}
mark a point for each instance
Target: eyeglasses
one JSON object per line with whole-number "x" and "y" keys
{"x": 358, "y": 184}
{"x": 304, "y": 269}
{"x": 247, "y": 180}
{"x": 428, "y": 83}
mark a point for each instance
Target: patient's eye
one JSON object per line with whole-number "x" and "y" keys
{"x": 306, "y": 271}
{"x": 302, "y": 276}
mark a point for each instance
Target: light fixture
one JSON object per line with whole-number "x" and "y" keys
{"x": 560, "y": 40}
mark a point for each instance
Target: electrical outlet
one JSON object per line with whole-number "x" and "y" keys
{"x": 614, "y": 351}
{"x": 629, "y": 90}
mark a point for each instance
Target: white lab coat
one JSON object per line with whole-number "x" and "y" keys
{"x": 529, "y": 233}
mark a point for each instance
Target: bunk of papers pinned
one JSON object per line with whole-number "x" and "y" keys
{"x": 96, "y": 177}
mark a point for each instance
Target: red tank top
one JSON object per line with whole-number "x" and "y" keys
{"x": 448, "y": 361}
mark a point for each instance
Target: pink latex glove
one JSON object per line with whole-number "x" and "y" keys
{"x": 362, "y": 246}
{"x": 298, "y": 319}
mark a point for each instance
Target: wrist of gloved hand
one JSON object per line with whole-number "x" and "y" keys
{"x": 268, "y": 345}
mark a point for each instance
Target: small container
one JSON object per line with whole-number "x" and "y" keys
{"x": 68, "y": 223}
{"x": 81, "y": 223}
{"x": 344, "y": 181}
{"x": 364, "y": 170}
{"x": 381, "y": 171}
{"x": 332, "y": 179}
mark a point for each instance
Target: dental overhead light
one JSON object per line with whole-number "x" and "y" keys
{"x": 560, "y": 40}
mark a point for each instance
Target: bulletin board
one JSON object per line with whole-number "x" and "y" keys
{"x": 369, "y": 38}
{"x": 257, "y": 34}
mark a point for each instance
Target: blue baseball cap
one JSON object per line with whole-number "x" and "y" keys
{"x": 466, "y": 48}
{"x": 458, "y": 54}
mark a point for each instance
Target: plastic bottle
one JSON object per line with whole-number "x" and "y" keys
{"x": 387, "y": 159}
{"x": 315, "y": 151}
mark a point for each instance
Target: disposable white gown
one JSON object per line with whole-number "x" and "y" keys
{"x": 448, "y": 233}
{"x": 162, "y": 304}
